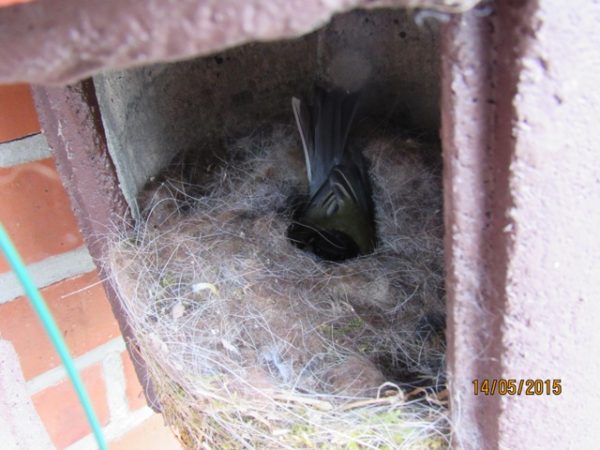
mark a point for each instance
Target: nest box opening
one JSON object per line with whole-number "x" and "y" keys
{"x": 250, "y": 341}
{"x": 153, "y": 112}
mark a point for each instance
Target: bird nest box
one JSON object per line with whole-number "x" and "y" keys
{"x": 244, "y": 340}
{"x": 250, "y": 341}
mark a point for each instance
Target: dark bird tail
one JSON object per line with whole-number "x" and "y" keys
{"x": 324, "y": 130}
{"x": 337, "y": 221}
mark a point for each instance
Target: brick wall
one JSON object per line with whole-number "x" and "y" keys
{"x": 35, "y": 210}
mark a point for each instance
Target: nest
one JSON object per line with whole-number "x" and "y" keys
{"x": 253, "y": 343}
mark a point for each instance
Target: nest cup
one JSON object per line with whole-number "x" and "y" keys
{"x": 253, "y": 343}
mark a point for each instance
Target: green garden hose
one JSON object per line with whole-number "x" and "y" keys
{"x": 40, "y": 307}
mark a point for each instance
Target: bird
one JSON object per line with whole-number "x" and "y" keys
{"x": 337, "y": 220}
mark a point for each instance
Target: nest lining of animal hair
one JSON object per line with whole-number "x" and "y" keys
{"x": 253, "y": 343}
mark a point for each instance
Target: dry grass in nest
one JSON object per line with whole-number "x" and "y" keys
{"x": 253, "y": 343}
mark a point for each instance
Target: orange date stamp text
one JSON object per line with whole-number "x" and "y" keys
{"x": 513, "y": 386}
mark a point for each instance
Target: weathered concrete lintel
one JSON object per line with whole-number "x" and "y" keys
{"x": 68, "y": 40}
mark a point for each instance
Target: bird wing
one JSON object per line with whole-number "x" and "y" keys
{"x": 324, "y": 132}
{"x": 337, "y": 221}
{"x": 342, "y": 206}
{"x": 343, "y": 189}
{"x": 302, "y": 115}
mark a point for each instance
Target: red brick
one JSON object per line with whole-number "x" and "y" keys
{"x": 85, "y": 319}
{"x": 150, "y": 435}
{"x": 36, "y": 212}
{"x": 135, "y": 392}
{"x": 61, "y": 412}
{"x": 13, "y": 2}
{"x": 18, "y": 117}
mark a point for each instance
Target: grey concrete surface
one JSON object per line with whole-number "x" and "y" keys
{"x": 151, "y": 113}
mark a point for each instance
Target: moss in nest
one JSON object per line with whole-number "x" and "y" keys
{"x": 253, "y": 343}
